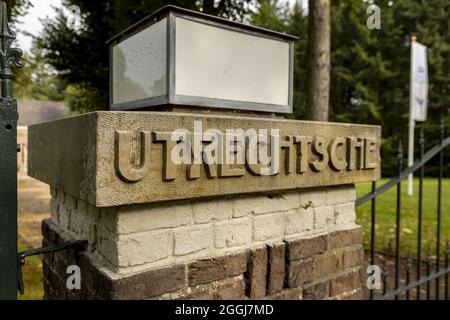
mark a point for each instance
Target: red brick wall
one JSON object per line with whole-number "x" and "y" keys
{"x": 321, "y": 267}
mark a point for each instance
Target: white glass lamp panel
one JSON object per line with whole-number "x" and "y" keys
{"x": 214, "y": 62}
{"x": 139, "y": 65}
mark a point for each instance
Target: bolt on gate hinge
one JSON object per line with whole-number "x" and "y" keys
{"x": 79, "y": 244}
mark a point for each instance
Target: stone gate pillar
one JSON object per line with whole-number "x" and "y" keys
{"x": 161, "y": 230}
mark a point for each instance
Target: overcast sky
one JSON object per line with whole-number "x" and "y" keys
{"x": 41, "y": 9}
{"x": 30, "y": 23}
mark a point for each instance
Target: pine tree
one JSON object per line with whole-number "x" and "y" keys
{"x": 370, "y": 69}
{"x": 318, "y": 61}
{"x": 82, "y": 57}
{"x": 37, "y": 80}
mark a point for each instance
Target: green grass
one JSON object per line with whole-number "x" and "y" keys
{"x": 386, "y": 216}
{"x": 32, "y": 277}
{"x": 22, "y": 184}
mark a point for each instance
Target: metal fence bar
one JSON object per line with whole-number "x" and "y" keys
{"x": 372, "y": 234}
{"x": 416, "y": 166}
{"x": 420, "y": 211}
{"x": 439, "y": 202}
{"x": 429, "y": 263}
{"x": 447, "y": 252}
{"x": 408, "y": 274}
{"x": 397, "y": 231}
{"x": 21, "y": 256}
{"x": 423, "y": 280}
{"x": 385, "y": 277}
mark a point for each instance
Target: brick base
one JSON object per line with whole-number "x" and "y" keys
{"x": 320, "y": 267}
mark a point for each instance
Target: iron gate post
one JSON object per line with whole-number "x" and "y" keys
{"x": 8, "y": 161}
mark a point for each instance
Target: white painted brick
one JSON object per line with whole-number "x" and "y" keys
{"x": 109, "y": 217}
{"x": 81, "y": 205}
{"x": 212, "y": 210}
{"x": 269, "y": 226}
{"x": 287, "y": 201}
{"x": 323, "y": 216}
{"x": 244, "y": 206}
{"x": 260, "y": 204}
{"x": 313, "y": 198}
{"x": 140, "y": 218}
{"x": 96, "y": 212}
{"x": 54, "y": 210}
{"x": 64, "y": 217}
{"x": 340, "y": 194}
{"x": 84, "y": 223}
{"x": 139, "y": 248}
{"x": 139, "y": 237}
{"x": 70, "y": 202}
{"x": 192, "y": 239}
{"x": 235, "y": 232}
{"x": 90, "y": 225}
{"x": 53, "y": 192}
{"x": 107, "y": 246}
{"x": 59, "y": 196}
{"x": 76, "y": 222}
{"x": 345, "y": 214}
{"x": 93, "y": 221}
{"x": 299, "y": 220}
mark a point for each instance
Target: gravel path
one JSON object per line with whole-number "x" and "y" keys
{"x": 34, "y": 206}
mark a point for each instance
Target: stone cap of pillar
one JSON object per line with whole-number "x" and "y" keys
{"x": 121, "y": 158}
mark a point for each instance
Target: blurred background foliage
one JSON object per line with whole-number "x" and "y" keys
{"x": 369, "y": 68}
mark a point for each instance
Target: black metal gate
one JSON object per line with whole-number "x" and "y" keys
{"x": 405, "y": 276}
{"x": 11, "y": 261}
{"x": 8, "y": 161}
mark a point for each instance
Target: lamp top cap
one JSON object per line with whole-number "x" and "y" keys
{"x": 163, "y": 11}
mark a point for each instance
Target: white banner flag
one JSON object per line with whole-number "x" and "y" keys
{"x": 419, "y": 82}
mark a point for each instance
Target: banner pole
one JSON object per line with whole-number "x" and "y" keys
{"x": 411, "y": 120}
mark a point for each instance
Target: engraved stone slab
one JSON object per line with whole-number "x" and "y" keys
{"x": 117, "y": 158}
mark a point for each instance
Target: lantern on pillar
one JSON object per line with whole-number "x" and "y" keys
{"x": 181, "y": 57}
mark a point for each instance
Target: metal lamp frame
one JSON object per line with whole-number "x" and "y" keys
{"x": 171, "y": 98}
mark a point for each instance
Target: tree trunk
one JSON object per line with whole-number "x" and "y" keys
{"x": 318, "y": 61}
